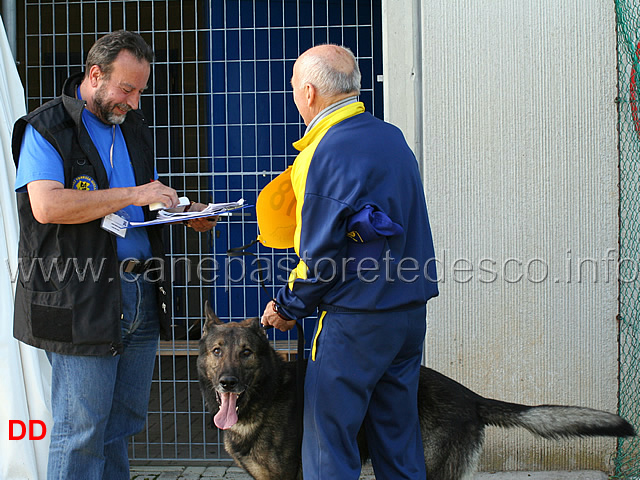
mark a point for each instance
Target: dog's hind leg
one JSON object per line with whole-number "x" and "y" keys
{"x": 452, "y": 457}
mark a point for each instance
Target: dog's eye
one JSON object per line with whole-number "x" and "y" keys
{"x": 216, "y": 351}
{"x": 246, "y": 353}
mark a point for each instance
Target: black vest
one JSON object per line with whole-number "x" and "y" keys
{"x": 68, "y": 290}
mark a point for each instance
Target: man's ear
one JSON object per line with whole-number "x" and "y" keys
{"x": 95, "y": 75}
{"x": 310, "y": 94}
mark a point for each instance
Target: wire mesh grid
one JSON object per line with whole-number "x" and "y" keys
{"x": 223, "y": 119}
{"x": 628, "y": 26}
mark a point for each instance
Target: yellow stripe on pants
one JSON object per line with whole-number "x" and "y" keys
{"x": 315, "y": 339}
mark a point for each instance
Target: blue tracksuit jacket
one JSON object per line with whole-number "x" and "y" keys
{"x": 347, "y": 161}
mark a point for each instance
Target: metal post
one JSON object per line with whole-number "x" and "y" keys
{"x": 9, "y": 19}
{"x": 417, "y": 84}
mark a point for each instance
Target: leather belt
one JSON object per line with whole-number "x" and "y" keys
{"x": 135, "y": 266}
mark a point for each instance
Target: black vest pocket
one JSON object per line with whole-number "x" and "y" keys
{"x": 51, "y": 323}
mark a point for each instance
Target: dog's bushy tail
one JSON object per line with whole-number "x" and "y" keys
{"x": 554, "y": 421}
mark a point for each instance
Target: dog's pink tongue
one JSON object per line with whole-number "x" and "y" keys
{"x": 227, "y": 416}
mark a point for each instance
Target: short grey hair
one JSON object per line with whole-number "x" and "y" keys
{"x": 106, "y": 49}
{"x": 328, "y": 80}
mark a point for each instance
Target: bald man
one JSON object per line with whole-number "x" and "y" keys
{"x": 363, "y": 237}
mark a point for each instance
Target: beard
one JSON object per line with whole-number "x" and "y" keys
{"x": 104, "y": 110}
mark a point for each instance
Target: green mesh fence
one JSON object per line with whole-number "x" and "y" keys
{"x": 627, "y": 462}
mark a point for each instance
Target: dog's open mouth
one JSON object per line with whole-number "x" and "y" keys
{"x": 227, "y": 416}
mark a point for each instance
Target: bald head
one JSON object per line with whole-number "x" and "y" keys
{"x": 322, "y": 76}
{"x": 331, "y": 69}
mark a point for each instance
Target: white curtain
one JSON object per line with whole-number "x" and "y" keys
{"x": 25, "y": 373}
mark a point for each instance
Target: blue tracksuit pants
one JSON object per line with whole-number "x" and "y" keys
{"x": 365, "y": 372}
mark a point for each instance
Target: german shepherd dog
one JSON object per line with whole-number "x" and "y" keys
{"x": 251, "y": 391}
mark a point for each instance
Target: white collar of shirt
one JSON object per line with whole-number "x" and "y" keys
{"x": 330, "y": 109}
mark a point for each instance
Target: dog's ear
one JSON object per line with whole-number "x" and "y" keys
{"x": 253, "y": 323}
{"x": 211, "y": 318}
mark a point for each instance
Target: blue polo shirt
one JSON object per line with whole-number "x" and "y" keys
{"x": 39, "y": 160}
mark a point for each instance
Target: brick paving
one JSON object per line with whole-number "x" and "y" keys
{"x": 235, "y": 473}
{"x": 205, "y": 473}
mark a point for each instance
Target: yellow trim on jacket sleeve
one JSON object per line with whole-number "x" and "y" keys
{"x": 300, "y": 169}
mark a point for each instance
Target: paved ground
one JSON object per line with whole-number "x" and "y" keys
{"x": 205, "y": 473}
{"x": 235, "y": 473}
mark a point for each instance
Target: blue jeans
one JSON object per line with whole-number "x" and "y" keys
{"x": 98, "y": 402}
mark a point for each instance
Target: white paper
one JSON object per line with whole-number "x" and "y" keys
{"x": 211, "y": 210}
